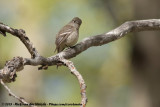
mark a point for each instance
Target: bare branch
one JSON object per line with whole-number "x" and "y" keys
{"x": 22, "y": 36}
{"x": 8, "y": 73}
{"x": 74, "y": 71}
{"x": 22, "y": 100}
{"x": 115, "y": 34}
{"x": 97, "y": 40}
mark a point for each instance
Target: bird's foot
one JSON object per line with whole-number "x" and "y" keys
{"x": 70, "y": 47}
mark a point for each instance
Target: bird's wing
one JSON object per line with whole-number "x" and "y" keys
{"x": 63, "y": 35}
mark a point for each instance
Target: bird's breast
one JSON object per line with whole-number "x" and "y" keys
{"x": 72, "y": 39}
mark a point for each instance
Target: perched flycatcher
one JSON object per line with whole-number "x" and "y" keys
{"x": 68, "y": 35}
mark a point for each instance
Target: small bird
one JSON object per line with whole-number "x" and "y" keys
{"x": 68, "y": 35}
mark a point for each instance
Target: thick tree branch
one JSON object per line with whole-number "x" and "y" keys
{"x": 97, "y": 40}
{"x": 8, "y": 73}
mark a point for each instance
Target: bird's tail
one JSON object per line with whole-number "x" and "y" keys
{"x": 55, "y": 50}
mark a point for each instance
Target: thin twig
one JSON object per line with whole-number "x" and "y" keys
{"x": 83, "y": 86}
{"x": 22, "y": 100}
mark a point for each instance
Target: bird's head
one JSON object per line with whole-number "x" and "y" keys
{"x": 76, "y": 20}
